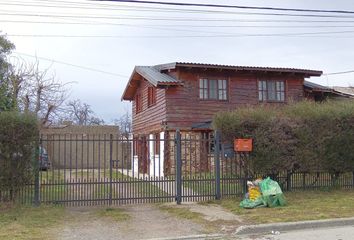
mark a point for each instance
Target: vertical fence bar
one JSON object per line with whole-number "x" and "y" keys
{"x": 36, "y": 163}
{"x": 178, "y": 168}
{"x": 110, "y": 168}
{"x": 288, "y": 181}
{"x": 217, "y": 166}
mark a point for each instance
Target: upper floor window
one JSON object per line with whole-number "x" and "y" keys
{"x": 213, "y": 89}
{"x": 270, "y": 90}
{"x": 151, "y": 96}
{"x": 138, "y": 103}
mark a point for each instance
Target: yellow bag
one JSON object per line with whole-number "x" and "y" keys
{"x": 254, "y": 193}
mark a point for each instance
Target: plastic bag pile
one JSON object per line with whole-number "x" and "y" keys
{"x": 263, "y": 193}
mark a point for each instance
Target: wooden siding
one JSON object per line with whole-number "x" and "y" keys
{"x": 180, "y": 106}
{"x": 185, "y": 108}
{"x": 295, "y": 89}
{"x": 150, "y": 119}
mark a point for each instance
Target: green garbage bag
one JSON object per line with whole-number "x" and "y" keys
{"x": 248, "y": 203}
{"x": 269, "y": 187}
{"x": 272, "y": 193}
{"x": 275, "y": 200}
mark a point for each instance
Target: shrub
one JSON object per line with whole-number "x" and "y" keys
{"x": 305, "y": 136}
{"x": 18, "y": 136}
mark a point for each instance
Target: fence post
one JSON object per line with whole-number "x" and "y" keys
{"x": 110, "y": 168}
{"x": 353, "y": 180}
{"x": 178, "y": 168}
{"x": 304, "y": 181}
{"x": 36, "y": 165}
{"x": 288, "y": 181}
{"x": 217, "y": 166}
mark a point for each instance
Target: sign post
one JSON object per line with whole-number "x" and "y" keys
{"x": 243, "y": 146}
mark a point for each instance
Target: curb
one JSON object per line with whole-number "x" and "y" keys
{"x": 192, "y": 237}
{"x": 283, "y": 227}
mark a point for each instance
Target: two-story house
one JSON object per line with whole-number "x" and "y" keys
{"x": 186, "y": 96}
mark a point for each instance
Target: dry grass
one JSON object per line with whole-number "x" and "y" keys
{"x": 20, "y": 223}
{"x": 17, "y": 223}
{"x": 181, "y": 212}
{"x": 301, "y": 206}
{"x": 115, "y": 214}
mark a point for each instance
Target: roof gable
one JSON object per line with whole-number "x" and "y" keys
{"x": 152, "y": 75}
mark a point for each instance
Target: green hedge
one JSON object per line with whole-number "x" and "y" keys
{"x": 18, "y": 138}
{"x": 306, "y": 136}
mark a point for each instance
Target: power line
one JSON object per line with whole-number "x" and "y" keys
{"x": 183, "y": 36}
{"x": 87, "y": 5}
{"x": 199, "y": 11}
{"x": 228, "y": 6}
{"x": 127, "y": 17}
{"x": 338, "y": 73}
{"x": 238, "y": 13}
{"x": 138, "y": 17}
{"x": 72, "y": 65}
{"x": 189, "y": 26}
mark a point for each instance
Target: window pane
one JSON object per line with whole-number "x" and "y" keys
{"x": 222, "y": 86}
{"x": 271, "y": 91}
{"x": 280, "y": 86}
{"x": 213, "y": 89}
{"x": 201, "y": 95}
{"x": 200, "y": 83}
{"x": 260, "y": 85}
{"x": 222, "y": 95}
{"x": 203, "y": 88}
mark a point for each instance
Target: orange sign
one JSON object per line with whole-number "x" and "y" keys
{"x": 243, "y": 145}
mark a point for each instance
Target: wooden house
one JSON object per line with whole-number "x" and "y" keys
{"x": 186, "y": 96}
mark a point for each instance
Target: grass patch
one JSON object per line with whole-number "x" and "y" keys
{"x": 182, "y": 212}
{"x": 307, "y": 205}
{"x": 19, "y": 222}
{"x": 115, "y": 214}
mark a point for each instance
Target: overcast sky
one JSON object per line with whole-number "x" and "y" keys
{"x": 108, "y": 37}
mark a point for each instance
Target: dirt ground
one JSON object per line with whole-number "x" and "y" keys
{"x": 145, "y": 222}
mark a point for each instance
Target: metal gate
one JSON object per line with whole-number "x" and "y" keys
{"x": 106, "y": 169}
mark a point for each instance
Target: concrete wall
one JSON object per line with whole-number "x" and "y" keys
{"x": 83, "y": 147}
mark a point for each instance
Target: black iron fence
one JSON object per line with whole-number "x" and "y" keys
{"x": 83, "y": 170}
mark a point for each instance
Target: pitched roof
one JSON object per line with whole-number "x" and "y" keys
{"x": 345, "y": 90}
{"x": 306, "y": 72}
{"x": 155, "y": 76}
{"x": 316, "y": 87}
{"x": 152, "y": 75}
{"x": 339, "y": 91}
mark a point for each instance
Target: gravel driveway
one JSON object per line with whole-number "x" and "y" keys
{"x": 146, "y": 222}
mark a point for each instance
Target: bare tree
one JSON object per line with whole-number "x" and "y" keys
{"x": 81, "y": 113}
{"x": 37, "y": 91}
{"x": 124, "y": 123}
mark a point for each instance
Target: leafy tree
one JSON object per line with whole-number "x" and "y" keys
{"x": 5, "y": 94}
{"x": 18, "y": 138}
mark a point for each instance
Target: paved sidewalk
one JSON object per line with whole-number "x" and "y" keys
{"x": 280, "y": 231}
{"x": 291, "y": 226}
